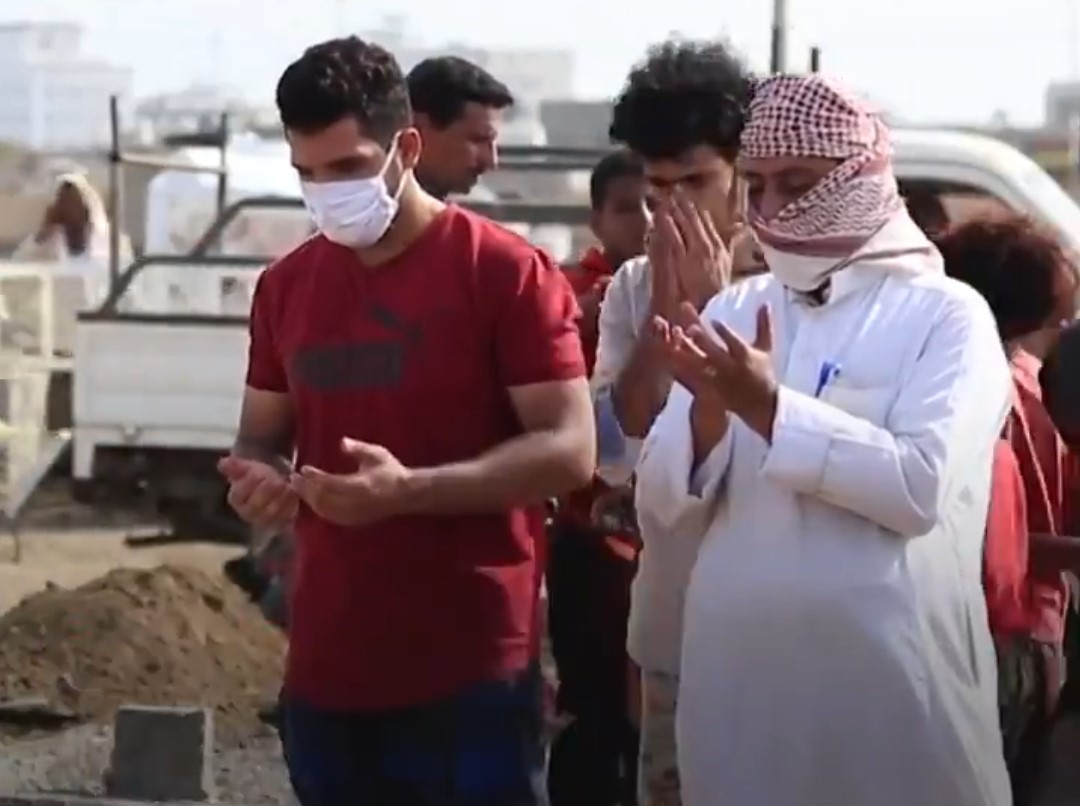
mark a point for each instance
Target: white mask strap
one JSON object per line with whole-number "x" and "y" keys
{"x": 404, "y": 174}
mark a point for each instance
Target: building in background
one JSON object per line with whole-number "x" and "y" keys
{"x": 198, "y": 110}
{"x": 51, "y": 96}
{"x": 533, "y": 74}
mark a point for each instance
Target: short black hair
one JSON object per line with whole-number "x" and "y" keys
{"x": 683, "y": 95}
{"x": 1015, "y": 264}
{"x": 340, "y": 78}
{"x": 441, "y": 86}
{"x": 1059, "y": 379}
{"x": 616, "y": 165}
{"x": 926, "y": 210}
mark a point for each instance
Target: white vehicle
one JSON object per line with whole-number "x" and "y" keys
{"x": 157, "y": 388}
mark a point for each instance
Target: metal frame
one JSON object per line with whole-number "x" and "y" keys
{"x": 109, "y": 309}
{"x": 547, "y": 159}
{"x": 118, "y": 160}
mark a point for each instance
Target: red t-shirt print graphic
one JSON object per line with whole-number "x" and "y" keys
{"x": 416, "y": 355}
{"x": 377, "y": 362}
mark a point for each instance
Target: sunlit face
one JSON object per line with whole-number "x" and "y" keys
{"x": 706, "y": 178}
{"x": 343, "y": 151}
{"x": 772, "y": 183}
{"x": 621, "y": 221}
{"x": 457, "y": 155}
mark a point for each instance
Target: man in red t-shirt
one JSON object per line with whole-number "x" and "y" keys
{"x": 423, "y": 364}
{"x": 590, "y": 569}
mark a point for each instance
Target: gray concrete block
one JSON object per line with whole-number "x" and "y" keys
{"x": 162, "y": 754}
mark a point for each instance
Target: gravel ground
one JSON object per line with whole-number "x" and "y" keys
{"x": 73, "y": 763}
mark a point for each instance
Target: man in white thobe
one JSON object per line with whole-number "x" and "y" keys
{"x": 833, "y": 426}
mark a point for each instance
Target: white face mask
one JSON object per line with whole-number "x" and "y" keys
{"x": 354, "y": 212}
{"x": 799, "y": 272}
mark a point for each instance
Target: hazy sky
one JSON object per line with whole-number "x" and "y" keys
{"x": 927, "y": 60}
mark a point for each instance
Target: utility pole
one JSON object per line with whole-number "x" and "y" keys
{"x": 778, "y": 60}
{"x": 1073, "y": 33}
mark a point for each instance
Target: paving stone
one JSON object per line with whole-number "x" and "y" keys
{"x": 162, "y": 754}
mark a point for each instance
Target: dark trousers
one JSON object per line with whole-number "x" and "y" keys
{"x": 594, "y": 758}
{"x": 1070, "y": 694}
{"x": 1026, "y": 723}
{"x": 482, "y": 747}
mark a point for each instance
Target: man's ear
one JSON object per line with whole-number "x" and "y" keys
{"x": 410, "y": 146}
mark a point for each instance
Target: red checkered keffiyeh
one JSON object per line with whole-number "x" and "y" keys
{"x": 812, "y": 116}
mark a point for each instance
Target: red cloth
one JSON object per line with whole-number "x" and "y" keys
{"x": 593, "y": 268}
{"x": 416, "y": 355}
{"x": 1072, "y": 492}
{"x": 1005, "y": 558}
{"x": 1041, "y": 456}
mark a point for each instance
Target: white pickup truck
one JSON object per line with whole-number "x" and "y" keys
{"x": 158, "y": 377}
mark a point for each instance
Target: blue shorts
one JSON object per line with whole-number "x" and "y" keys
{"x": 482, "y": 747}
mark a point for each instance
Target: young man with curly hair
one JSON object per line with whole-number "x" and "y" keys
{"x": 681, "y": 111}
{"x": 423, "y": 365}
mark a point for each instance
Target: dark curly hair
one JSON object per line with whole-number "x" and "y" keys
{"x": 441, "y": 86}
{"x": 1016, "y": 265}
{"x": 683, "y": 95}
{"x": 341, "y": 78}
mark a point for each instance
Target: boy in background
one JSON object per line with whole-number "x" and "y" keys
{"x": 592, "y": 564}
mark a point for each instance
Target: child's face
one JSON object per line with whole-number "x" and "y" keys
{"x": 620, "y": 224}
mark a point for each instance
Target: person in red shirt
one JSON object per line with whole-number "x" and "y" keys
{"x": 590, "y": 568}
{"x": 1059, "y": 381}
{"x": 1030, "y": 284}
{"x": 423, "y": 365}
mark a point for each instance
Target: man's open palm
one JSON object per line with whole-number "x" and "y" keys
{"x": 374, "y": 491}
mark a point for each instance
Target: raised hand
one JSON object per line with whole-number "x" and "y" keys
{"x": 704, "y": 265}
{"x": 690, "y": 259}
{"x": 715, "y": 361}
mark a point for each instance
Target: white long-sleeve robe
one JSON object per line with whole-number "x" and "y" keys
{"x": 836, "y": 649}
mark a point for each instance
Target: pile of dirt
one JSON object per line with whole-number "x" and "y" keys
{"x": 164, "y": 636}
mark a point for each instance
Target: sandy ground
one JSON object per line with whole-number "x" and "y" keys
{"x": 74, "y": 761}
{"x": 70, "y": 558}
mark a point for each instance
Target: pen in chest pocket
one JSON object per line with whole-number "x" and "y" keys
{"x": 826, "y": 375}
